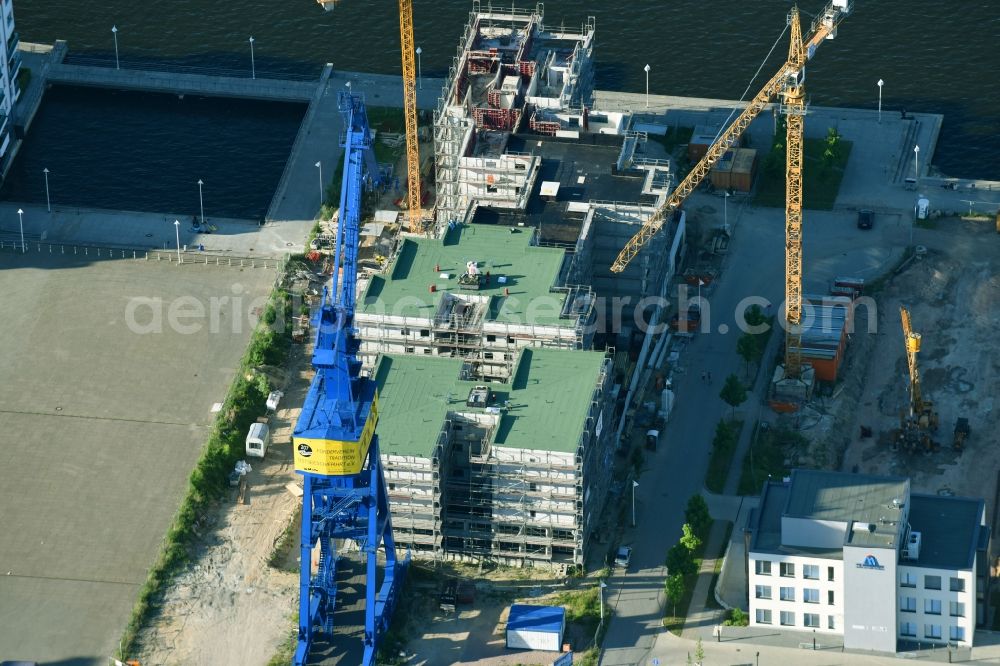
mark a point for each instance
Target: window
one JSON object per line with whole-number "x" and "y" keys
{"x": 932, "y": 606}
{"x": 908, "y": 629}
{"x": 956, "y": 609}
{"x": 787, "y": 594}
{"x": 829, "y": 574}
{"x": 425, "y": 333}
{"x": 404, "y": 331}
{"x": 488, "y": 355}
{"x": 956, "y": 585}
{"x": 491, "y": 338}
{"x": 762, "y": 567}
{"x": 787, "y": 619}
{"x": 831, "y": 623}
{"x": 932, "y": 582}
{"x": 409, "y": 350}
{"x": 763, "y": 591}
{"x": 810, "y": 571}
{"x": 788, "y": 570}
{"x": 427, "y": 350}
{"x": 956, "y": 633}
{"x": 908, "y": 580}
{"x": 908, "y": 604}
{"x": 763, "y": 616}
{"x": 829, "y": 597}
{"x": 810, "y": 620}
{"x": 810, "y": 596}
{"x": 932, "y": 631}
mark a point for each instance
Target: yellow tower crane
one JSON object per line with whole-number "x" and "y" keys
{"x": 409, "y": 60}
{"x": 788, "y": 85}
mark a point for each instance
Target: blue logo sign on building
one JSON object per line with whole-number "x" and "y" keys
{"x": 870, "y": 562}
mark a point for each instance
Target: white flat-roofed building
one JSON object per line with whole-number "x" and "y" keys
{"x": 9, "y": 91}
{"x": 863, "y": 558}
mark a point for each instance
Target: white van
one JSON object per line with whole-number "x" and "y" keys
{"x": 258, "y": 438}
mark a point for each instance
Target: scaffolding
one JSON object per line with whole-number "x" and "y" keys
{"x": 505, "y": 62}
{"x": 473, "y": 500}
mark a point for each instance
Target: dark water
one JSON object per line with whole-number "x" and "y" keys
{"x": 139, "y": 151}
{"x": 934, "y": 56}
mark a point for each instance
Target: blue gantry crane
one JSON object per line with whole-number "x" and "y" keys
{"x": 335, "y": 445}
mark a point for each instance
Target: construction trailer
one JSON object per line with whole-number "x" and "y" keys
{"x": 514, "y": 473}
{"x": 531, "y": 627}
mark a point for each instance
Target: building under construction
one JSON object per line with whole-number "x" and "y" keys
{"x": 514, "y": 473}
{"x": 511, "y": 73}
{"x": 481, "y": 293}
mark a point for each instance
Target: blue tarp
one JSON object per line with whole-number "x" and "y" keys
{"x": 536, "y": 618}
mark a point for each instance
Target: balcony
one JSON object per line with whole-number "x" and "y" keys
{"x": 12, "y": 43}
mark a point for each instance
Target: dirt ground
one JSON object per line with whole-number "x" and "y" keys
{"x": 953, "y": 294}
{"x": 475, "y": 635}
{"x": 231, "y": 607}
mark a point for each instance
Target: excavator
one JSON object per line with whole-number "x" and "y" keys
{"x": 920, "y": 419}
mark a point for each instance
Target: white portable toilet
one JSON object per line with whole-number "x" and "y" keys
{"x": 922, "y": 208}
{"x": 258, "y": 438}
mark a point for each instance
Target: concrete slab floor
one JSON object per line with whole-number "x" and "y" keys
{"x": 101, "y": 427}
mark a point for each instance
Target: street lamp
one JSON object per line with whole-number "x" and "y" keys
{"x": 48, "y": 203}
{"x": 20, "y": 219}
{"x": 600, "y": 593}
{"x": 253, "y": 66}
{"x": 114, "y": 33}
{"x": 646, "y": 69}
{"x": 201, "y": 201}
{"x": 880, "y": 84}
{"x": 916, "y": 162}
{"x": 725, "y": 210}
{"x": 177, "y": 230}
{"x": 319, "y": 165}
{"x": 758, "y": 658}
{"x": 635, "y": 484}
{"x": 420, "y": 75}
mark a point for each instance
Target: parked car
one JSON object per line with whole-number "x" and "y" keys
{"x": 623, "y": 557}
{"x": 866, "y": 218}
{"x": 321, "y": 242}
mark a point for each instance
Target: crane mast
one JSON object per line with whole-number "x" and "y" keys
{"x": 334, "y": 442}
{"x": 413, "y": 187}
{"x": 824, "y": 27}
{"x": 793, "y": 106}
{"x": 409, "y": 61}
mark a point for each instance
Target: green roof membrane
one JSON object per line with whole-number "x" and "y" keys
{"x": 549, "y": 399}
{"x": 530, "y": 273}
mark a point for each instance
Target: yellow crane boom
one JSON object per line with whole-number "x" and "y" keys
{"x": 824, "y": 27}
{"x": 911, "y": 340}
{"x": 413, "y": 189}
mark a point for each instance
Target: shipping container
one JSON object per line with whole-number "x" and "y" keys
{"x": 744, "y": 169}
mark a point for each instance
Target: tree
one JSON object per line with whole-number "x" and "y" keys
{"x": 674, "y": 587}
{"x": 697, "y": 514}
{"x": 689, "y": 539}
{"x": 749, "y": 348}
{"x": 699, "y": 652}
{"x": 754, "y": 316}
{"x": 679, "y": 560}
{"x": 733, "y": 393}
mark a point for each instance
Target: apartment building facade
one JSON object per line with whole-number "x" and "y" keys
{"x": 11, "y": 67}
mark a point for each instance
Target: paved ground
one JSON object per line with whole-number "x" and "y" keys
{"x": 101, "y": 427}
{"x": 755, "y": 267}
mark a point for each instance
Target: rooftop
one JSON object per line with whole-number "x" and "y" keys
{"x": 766, "y": 524}
{"x": 527, "y": 271}
{"x": 584, "y": 173}
{"x": 842, "y": 497}
{"x": 949, "y": 529}
{"x": 550, "y": 397}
